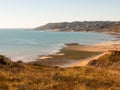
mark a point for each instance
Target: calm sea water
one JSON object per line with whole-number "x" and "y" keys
{"x": 19, "y": 44}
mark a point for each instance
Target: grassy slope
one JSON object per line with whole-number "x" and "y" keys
{"x": 110, "y": 60}
{"x": 20, "y": 76}
{"x": 48, "y": 78}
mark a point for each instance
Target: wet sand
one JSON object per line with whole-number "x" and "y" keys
{"x": 102, "y": 47}
{"x": 74, "y": 54}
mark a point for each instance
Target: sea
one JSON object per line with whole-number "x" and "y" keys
{"x": 28, "y": 44}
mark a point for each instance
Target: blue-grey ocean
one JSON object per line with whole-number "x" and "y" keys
{"x": 26, "y": 45}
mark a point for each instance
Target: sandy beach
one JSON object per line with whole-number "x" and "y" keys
{"x": 102, "y": 47}
{"x": 74, "y": 54}
{"x": 84, "y": 62}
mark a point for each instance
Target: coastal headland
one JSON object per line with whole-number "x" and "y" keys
{"x": 78, "y": 26}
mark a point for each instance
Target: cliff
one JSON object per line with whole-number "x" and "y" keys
{"x": 98, "y": 26}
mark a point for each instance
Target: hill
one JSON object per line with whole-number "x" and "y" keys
{"x": 98, "y": 26}
{"x": 23, "y": 76}
{"x": 109, "y": 60}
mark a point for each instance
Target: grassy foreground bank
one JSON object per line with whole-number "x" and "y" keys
{"x": 21, "y": 76}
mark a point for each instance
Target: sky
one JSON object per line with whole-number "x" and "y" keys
{"x": 34, "y": 13}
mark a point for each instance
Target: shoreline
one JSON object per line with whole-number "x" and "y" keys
{"x": 112, "y": 33}
{"x": 60, "y": 58}
{"x": 99, "y": 47}
{"x": 84, "y": 62}
{"x": 105, "y": 46}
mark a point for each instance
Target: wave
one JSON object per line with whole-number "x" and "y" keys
{"x": 27, "y": 58}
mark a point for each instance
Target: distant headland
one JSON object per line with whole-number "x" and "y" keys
{"x": 77, "y": 26}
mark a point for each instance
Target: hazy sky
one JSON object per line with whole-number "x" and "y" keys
{"x": 33, "y": 13}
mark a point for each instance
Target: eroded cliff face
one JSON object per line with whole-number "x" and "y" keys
{"x": 99, "y": 26}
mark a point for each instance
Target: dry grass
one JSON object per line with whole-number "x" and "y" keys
{"x": 53, "y": 78}
{"x": 109, "y": 60}
{"x": 21, "y": 76}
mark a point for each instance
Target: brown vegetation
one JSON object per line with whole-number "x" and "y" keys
{"x": 109, "y": 60}
{"x": 20, "y": 76}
